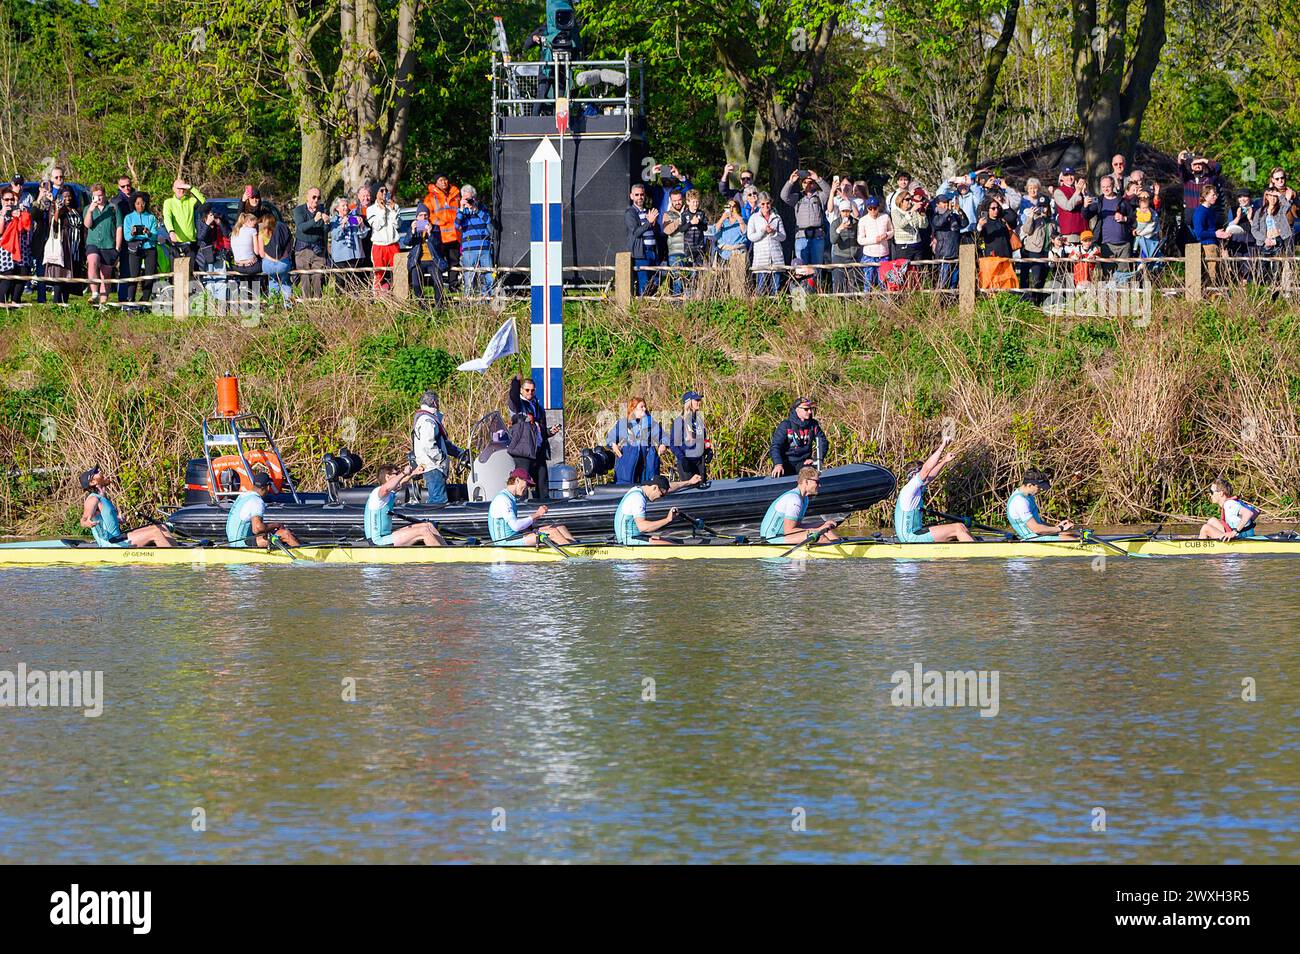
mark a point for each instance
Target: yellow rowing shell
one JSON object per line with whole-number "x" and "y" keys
{"x": 47, "y": 554}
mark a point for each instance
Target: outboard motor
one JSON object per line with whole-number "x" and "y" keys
{"x": 564, "y": 481}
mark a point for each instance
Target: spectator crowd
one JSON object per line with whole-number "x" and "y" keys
{"x": 838, "y": 236}
{"x": 65, "y": 240}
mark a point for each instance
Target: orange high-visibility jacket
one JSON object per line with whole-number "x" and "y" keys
{"x": 443, "y": 207}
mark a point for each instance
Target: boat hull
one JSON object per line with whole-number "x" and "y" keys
{"x": 53, "y": 554}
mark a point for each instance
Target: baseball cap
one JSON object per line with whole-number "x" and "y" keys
{"x": 261, "y": 479}
{"x": 806, "y": 402}
{"x": 88, "y": 476}
{"x": 944, "y": 197}
{"x": 873, "y": 202}
{"x": 1067, "y": 171}
{"x": 692, "y": 396}
{"x": 520, "y": 474}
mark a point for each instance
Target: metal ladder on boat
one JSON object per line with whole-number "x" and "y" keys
{"x": 233, "y": 432}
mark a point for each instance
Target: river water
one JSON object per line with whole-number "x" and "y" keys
{"x": 504, "y": 713}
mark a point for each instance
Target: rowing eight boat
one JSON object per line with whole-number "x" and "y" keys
{"x": 75, "y": 553}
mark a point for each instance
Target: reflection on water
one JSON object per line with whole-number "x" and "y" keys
{"x": 522, "y": 688}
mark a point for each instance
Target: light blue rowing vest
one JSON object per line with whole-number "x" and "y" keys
{"x": 908, "y": 523}
{"x": 379, "y": 520}
{"x": 1020, "y": 526}
{"x": 238, "y": 531}
{"x": 773, "y": 526}
{"x": 499, "y": 527}
{"x": 625, "y": 528}
{"x": 107, "y": 527}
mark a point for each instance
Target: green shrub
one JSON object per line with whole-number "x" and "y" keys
{"x": 416, "y": 368}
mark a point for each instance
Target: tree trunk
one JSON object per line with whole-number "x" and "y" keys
{"x": 319, "y": 168}
{"x": 731, "y": 110}
{"x": 984, "y": 98}
{"x": 1112, "y": 88}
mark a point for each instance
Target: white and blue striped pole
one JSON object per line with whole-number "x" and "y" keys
{"x": 547, "y": 260}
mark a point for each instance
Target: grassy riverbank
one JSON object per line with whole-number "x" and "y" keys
{"x": 1134, "y": 421}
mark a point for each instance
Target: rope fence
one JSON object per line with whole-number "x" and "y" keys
{"x": 1047, "y": 281}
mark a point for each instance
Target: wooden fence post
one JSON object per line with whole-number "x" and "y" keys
{"x": 401, "y": 278}
{"x": 182, "y": 269}
{"x": 967, "y": 279}
{"x": 738, "y": 274}
{"x": 1192, "y": 277}
{"x": 623, "y": 280}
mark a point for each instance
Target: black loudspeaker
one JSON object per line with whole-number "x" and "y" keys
{"x": 597, "y": 174}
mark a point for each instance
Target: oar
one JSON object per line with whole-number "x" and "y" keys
{"x": 698, "y": 525}
{"x": 546, "y": 539}
{"x": 813, "y": 537}
{"x": 966, "y": 522}
{"x": 1087, "y": 536}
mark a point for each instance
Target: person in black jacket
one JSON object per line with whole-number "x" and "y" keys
{"x": 424, "y": 263}
{"x": 798, "y": 440}
{"x": 642, "y": 239}
{"x": 530, "y": 437}
{"x": 946, "y": 225}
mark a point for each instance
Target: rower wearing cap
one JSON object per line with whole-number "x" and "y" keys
{"x": 631, "y": 525}
{"x": 99, "y": 516}
{"x": 1236, "y": 517}
{"x": 509, "y": 529}
{"x": 379, "y": 512}
{"x": 247, "y": 517}
{"x": 909, "y": 526}
{"x": 1022, "y": 511}
{"x": 784, "y": 523}
{"x": 798, "y": 440}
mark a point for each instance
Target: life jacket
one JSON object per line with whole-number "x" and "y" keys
{"x": 239, "y": 530}
{"x": 379, "y": 518}
{"x": 625, "y": 529}
{"x": 443, "y": 207}
{"x": 107, "y": 530}
{"x": 1022, "y": 526}
{"x": 773, "y": 525}
{"x": 1249, "y": 525}
{"x": 800, "y": 442}
{"x": 499, "y": 527}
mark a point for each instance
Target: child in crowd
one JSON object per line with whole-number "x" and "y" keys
{"x": 1146, "y": 229}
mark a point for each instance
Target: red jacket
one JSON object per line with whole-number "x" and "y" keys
{"x": 12, "y": 238}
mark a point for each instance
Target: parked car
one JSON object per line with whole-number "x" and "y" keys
{"x": 405, "y": 216}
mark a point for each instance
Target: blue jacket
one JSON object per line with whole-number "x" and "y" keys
{"x": 639, "y": 443}
{"x": 345, "y": 239}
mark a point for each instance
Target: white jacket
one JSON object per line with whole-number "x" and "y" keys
{"x": 383, "y": 224}
{"x": 424, "y": 440}
{"x": 767, "y": 248}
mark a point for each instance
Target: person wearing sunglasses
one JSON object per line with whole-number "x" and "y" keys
{"x": 784, "y": 521}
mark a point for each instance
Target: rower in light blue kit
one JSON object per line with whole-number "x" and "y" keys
{"x": 1236, "y": 517}
{"x": 246, "y": 520}
{"x": 1022, "y": 512}
{"x": 509, "y": 529}
{"x": 99, "y": 516}
{"x": 784, "y": 520}
{"x": 632, "y": 527}
{"x": 379, "y": 513}
{"x": 909, "y": 525}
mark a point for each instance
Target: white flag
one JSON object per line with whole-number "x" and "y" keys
{"x": 504, "y": 342}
